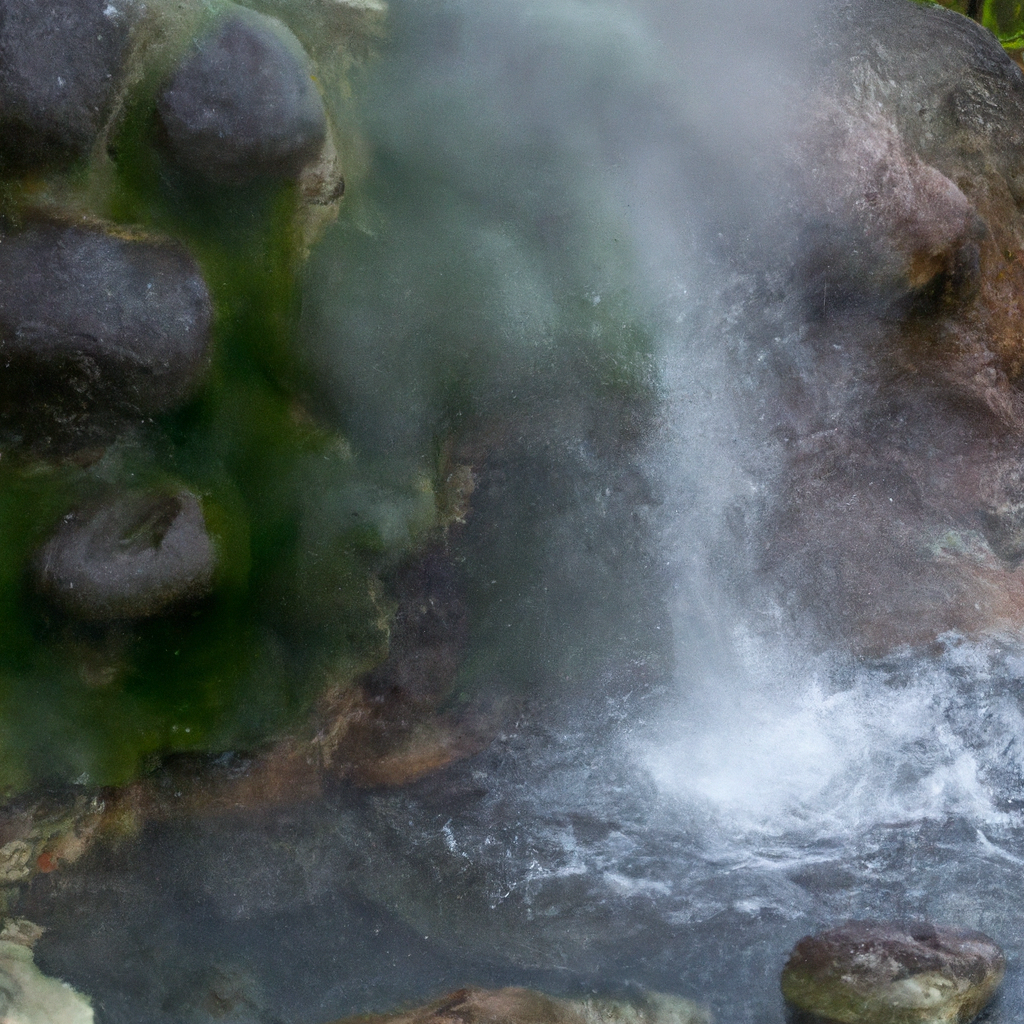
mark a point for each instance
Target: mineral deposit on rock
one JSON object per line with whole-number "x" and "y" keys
{"x": 869, "y": 972}
{"x": 27, "y": 996}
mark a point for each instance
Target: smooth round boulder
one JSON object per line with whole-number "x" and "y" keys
{"x": 90, "y": 322}
{"x": 869, "y": 972}
{"x": 244, "y": 105}
{"x": 138, "y": 555}
{"x": 59, "y": 64}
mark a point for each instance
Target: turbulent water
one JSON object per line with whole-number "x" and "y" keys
{"x": 709, "y": 787}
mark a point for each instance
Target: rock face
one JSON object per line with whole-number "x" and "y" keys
{"x": 887, "y": 224}
{"x": 874, "y": 973}
{"x": 58, "y": 68}
{"x": 133, "y": 557}
{"x": 91, "y": 323}
{"x": 893, "y": 355}
{"x": 244, "y": 105}
{"x": 522, "y": 1006}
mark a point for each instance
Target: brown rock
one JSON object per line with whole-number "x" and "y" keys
{"x": 523, "y": 1006}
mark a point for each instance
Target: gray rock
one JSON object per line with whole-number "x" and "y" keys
{"x": 93, "y": 323}
{"x": 868, "y": 972}
{"x": 59, "y": 63}
{"x": 243, "y": 105}
{"x": 135, "y": 556}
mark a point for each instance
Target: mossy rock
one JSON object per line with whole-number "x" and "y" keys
{"x": 869, "y": 972}
{"x": 303, "y": 494}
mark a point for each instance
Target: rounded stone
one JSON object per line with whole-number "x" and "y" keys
{"x": 135, "y": 556}
{"x": 59, "y": 63}
{"x": 243, "y": 105}
{"x": 868, "y": 972}
{"x": 90, "y": 321}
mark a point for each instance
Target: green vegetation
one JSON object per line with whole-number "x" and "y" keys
{"x": 1004, "y": 18}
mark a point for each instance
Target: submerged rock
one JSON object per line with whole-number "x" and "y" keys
{"x": 876, "y": 973}
{"x": 523, "y": 1006}
{"x": 59, "y": 63}
{"x": 133, "y": 557}
{"x": 244, "y": 104}
{"x": 93, "y": 323}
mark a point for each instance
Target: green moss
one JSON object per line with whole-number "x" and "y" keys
{"x": 439, "y": 312}
{"x": 301, "y": 529}
{"x": 1004, "y": 18}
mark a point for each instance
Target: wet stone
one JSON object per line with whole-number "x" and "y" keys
{"x": 243, "y": 105}
{"x": 59, "y": 63}
{"x": 524, "y": 1006}
{"x": 881, "y": 223}
{"x": 93, "y": 324}
{"x": 138, "y": 555}
{"x": 869, "y": 972}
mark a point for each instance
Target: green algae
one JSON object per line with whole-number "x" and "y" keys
{"x": 316, "y": 485}
{"x": 299, "y": 544}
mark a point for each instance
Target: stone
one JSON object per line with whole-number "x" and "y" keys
{"x": 134, "y": 556}
{"x": 892, "y": 351}
{"x": 27, "y": 996}
{"x": 93, "y": 323}
{"x": 59, "y": 66}
{"x": 867, "y": 972}
{"x": 244, "y": 105}
{"x": 523, "y": 1006}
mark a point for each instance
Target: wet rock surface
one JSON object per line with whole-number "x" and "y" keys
{"x": 92, "y": 325}
{"x": 876, "y": 973}
{"x": 244, "y": 105}
{"x": 59, "y": 64}
{"x": 133, "y": 557}
{"x": 891, "y": 351}
{"x": 523, "y": 1006}
{"x": 882, "y": 224}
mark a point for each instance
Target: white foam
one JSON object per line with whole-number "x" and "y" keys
{"x": 783, "y": 751}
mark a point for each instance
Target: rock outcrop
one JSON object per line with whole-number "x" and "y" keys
{"x": 96, "y": 326}
{"x": 59, "y": 68}
{"x": 523, "y": 1006}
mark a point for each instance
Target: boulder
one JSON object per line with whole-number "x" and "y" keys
{"x": 869, "y": 972}
{"x": 243, "y": 105}
{"x": 889, "y": 352}
{"x": 137, "y": 555}
{"x": 59, "y": 64}
{"x": 93, "y": 323}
